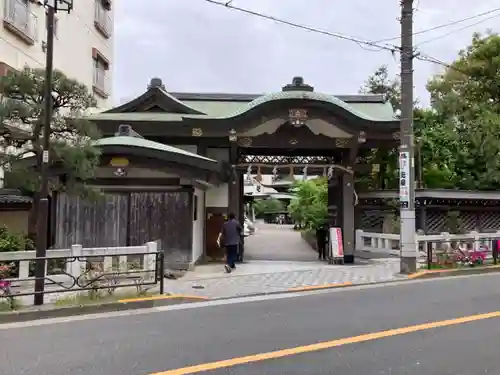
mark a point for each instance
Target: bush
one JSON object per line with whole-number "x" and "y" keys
{"x": 12, "y": 241}
{"x": 310, "y": 205}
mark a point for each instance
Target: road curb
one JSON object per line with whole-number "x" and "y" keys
{"x": 68, "y": 311}
{"x": 431, "y": 274}
{"x": 312, "y": 288}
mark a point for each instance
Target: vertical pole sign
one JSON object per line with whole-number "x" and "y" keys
{"x": 404, "y": 176}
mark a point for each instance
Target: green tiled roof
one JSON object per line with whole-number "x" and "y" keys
{"x": 139, "y": 116}
{"x": 382, "y": 111}
{"x": 306, "y": 95}
{"x": 226, "y": 109}
{"x": 144, "y": 143}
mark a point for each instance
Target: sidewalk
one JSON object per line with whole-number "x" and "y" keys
{"x": 258, "y": 277}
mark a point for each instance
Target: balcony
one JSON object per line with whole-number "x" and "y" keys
{"x": 102, "y": 19}
{"x": 19, "y": 20}
{"x": 100, "y": 84}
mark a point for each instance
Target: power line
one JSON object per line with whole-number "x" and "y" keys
{"x": 358, "y": 41}
{"x": 434, "y": 60}
{"x": 458, "y": 30}
{"x": 444, "y": 25}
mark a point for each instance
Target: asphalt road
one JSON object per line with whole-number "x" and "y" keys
{"x": 373, "y": 331}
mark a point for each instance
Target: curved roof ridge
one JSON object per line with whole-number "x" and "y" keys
{"x": 155, "y": 88}
{"x": 124, "y": 140}
{"x": 296, "y": 94}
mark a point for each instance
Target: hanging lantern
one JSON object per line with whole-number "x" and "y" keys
{"x": 249, "y": 173}
{"x": 258, "y": 178}
{"x": 330, "y": 172}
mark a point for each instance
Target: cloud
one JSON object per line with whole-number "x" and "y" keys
{"x": 197, "y": 46}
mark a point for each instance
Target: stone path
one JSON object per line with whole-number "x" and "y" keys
{"x": 277, "y": 242}
{"x": 264, "y": 277}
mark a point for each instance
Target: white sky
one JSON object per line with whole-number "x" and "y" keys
{"x": 197, "y": 46}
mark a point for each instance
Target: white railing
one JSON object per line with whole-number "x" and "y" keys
{"x": 17, "y": 14}
{"x": 388, "y": 243}
{"x": 115, "y": 259}
{"x": 102, "y": 18}
{"x": 101, "y": 80}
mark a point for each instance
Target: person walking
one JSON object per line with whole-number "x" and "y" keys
{"x": 231, "y": 236}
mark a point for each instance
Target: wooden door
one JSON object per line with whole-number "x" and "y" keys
{"x": 213, "y": 227}
{"x": 164, "y": 216}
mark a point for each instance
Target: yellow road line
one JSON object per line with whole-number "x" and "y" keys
{"x": 162, "y": 297}
{"x": 314, "y": 287}
{"x": 325, "y": 345}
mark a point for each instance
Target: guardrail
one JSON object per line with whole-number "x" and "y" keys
{"x": 80, "y": 269}
{"x": 436, "y": 249}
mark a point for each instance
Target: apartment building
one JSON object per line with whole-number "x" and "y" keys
{"x": 83, "y": 45}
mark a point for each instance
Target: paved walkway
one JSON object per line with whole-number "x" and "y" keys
{"x": 273, "y": 276}
{"x": 278, "y": 259}
{"x": 278, "y": 242}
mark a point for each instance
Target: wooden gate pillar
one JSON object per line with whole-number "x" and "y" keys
{"x": 348, "y": 233}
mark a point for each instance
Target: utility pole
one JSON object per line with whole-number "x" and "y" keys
{"x": 409, "y": 250}
{"x": 51, "y": 6}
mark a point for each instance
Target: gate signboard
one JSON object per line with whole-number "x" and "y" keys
{"x": 336, "y": 246}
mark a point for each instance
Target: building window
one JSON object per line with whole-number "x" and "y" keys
{"x": 100, "y": 82}
{"x": 56, "y": 27}
{"x": 102, "y": 18}
{"x": 20, "y": 20}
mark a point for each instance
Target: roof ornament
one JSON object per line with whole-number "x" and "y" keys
{"x": 297, "y": 117}
{"x": 297, "y": 85}
{"x": 156, "y": 83}
{"x": 125, "y": 130}
{"x": 232, "y": 136}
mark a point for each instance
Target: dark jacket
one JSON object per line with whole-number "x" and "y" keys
{"x": 322, "y": 234}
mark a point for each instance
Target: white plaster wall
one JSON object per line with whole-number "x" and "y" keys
{"x": 199, "y": 225}
{"x": 218, "y": 196}
{"x": 75, "y": 37}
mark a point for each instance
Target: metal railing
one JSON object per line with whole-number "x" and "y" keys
{"x": 77, "y": 270}
{"x": 18, "y": 14}
{"x": 102, "y": 18}
{"x": 101, "y": 80}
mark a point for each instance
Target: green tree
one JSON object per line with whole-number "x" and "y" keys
{"x": 387, "y": 177}
{"x": 310, "y": 204}
{"x": 466, "y": 97}
{"x": 263, "y": 206}
{"x": 381, "y": 83}
{"x": 435, "y": 149}
{"x": 71, "y": 136}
